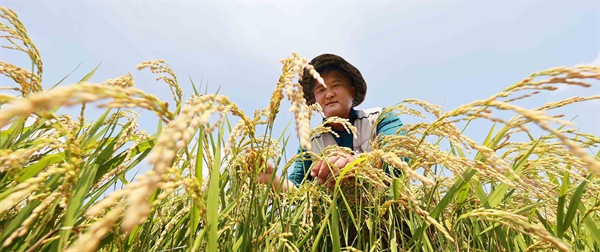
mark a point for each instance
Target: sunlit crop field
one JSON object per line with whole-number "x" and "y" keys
{"x": 63, "y": 183}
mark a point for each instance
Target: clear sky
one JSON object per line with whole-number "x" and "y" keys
{"x": 443, "y": 52}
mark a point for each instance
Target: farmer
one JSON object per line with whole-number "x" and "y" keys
{"x": 345, "y": 89}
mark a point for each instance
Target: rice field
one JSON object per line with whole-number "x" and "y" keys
{"x": 63, "y": 183}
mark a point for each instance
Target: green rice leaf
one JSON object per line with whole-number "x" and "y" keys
{"x": 90, "y": 74}
{"x": 34, "y": 169}
{"x": 15, "y": 129}
{"x": 560, "y": 212}
{"x": 497, "y": 195}
{"x": 61, "y": 80}
{"x": 73, "y": 210}
{"x": 573, "y": 205}
{"x": 212, "y": 202}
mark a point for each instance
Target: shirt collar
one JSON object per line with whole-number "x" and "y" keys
{"x": 353, "y": 115}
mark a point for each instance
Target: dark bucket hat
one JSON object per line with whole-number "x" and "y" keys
{"x": 331, "y": 59}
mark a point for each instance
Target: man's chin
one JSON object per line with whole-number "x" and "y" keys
{"x": 331, "y": 114}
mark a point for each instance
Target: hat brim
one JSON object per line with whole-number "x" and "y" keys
{"x": 331, "y": 59}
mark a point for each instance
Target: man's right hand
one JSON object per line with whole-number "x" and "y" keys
{"x": 265, "y": 175}
{"x": 279, "y": 183}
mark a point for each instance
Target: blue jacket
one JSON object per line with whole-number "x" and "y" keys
{"x": 389, "y": 125}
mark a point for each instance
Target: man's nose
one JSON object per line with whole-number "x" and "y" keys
{"x": 329, "y": 93}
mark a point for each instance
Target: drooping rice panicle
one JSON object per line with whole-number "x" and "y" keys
{"x": 83, "y": 93}
{"x": 30, "y": 81}
{"x": 159, "y": 66}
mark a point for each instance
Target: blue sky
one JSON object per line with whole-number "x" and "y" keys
{"x": 443, "y": 52}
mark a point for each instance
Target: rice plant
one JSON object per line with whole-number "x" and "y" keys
{"x": 58, "y": 174}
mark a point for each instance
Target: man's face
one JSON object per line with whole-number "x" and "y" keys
{"x": 336, "y": 98}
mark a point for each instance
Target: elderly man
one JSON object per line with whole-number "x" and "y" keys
{"x": 345, "y": 89}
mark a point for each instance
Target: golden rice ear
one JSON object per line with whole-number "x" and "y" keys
{"x": 83, "y": 93}
{"x": 30, "y": 81}
{"x": 159, "y": 66}
{"x": 293, "y": 68}
{"x": 123, "y": 81}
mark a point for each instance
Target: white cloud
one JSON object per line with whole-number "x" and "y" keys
{"x": 595, "y": 62}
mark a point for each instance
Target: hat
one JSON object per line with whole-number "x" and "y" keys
{"x": 331, "y": 59}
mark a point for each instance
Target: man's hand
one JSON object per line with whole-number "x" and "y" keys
{"x": 265, "y": 175}
{"x": 325, "y": 174}
{"x": 280, "y": 184}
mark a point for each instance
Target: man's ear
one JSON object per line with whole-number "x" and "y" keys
{"x": 353, "y": 92}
